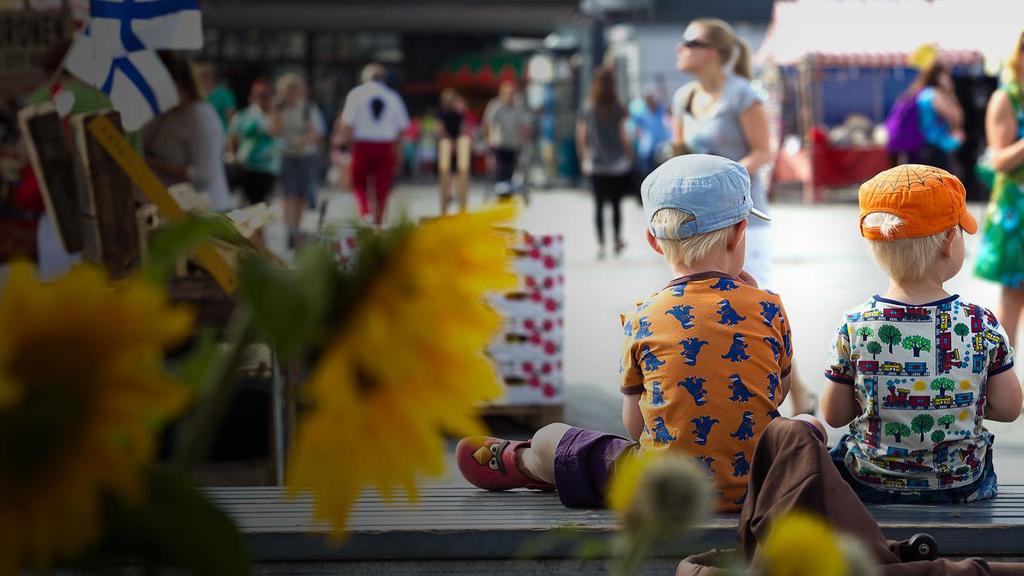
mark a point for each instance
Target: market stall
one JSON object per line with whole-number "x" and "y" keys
{"x": 836, "y": 82}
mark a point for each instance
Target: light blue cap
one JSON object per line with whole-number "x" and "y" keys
{"x": 715, "y": 190}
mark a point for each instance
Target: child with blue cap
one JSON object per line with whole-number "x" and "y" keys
{"x": 706, "y": 359}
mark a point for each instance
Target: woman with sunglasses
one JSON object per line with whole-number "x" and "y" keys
{"x": 720, "y": 113}
{"x": 1001, "y": 253}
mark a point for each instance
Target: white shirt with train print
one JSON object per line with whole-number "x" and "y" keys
{"x": 919, "y": 375}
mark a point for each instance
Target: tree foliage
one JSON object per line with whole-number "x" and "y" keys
{"x": 897, "y": 429}
{"x": 874, "y": 348}
{"x": 922, "y": 424}
{"x": 890, "y": 335}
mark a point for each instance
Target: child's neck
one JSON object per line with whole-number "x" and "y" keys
{"x": 917, "y": 291}
{"x": 710, "y": 264}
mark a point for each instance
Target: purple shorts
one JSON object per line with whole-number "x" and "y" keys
{"x": 584, "y": 462}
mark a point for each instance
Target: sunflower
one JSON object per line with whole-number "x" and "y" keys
{"x": 81, "y": 392}
{"x": 801, "y": 543}
{"x": 406, "y": 365}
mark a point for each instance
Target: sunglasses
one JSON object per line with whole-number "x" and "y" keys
{"x": 696, "y": 44}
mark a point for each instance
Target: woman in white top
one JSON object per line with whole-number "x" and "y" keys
{"x": 186, "y": 143}
{"x": 720, "y": 113}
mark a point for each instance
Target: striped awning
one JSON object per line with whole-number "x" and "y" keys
{"x": 889, "y": 59}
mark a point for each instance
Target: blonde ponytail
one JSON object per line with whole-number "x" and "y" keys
{"x": 732, "y": 49}
{"x": 741, "y": 60}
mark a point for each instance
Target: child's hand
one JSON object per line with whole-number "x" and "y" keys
{"x": 747, "y": 279}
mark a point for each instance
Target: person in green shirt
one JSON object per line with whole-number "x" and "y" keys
{"x": 218, "y": 95}
{"x": 253, "y": 146}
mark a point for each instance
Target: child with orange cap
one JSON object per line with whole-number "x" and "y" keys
{"x": 916, "y": 370}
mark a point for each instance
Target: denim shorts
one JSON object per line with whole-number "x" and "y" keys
{"x": 299, "y": 177}
{"x": 983, "y": 488}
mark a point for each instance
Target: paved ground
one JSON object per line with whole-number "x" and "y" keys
{"x": 822, "y": 267}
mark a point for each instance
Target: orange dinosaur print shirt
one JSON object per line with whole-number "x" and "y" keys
{"x": 708, "y": 355}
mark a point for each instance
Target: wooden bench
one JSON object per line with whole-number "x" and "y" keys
{"x": 455, "y": 523}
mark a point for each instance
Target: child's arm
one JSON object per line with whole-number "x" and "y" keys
{"x": 1002, "y": 389}
{"x": 838, "y": 405}
{"x": 1003, "y": 397}
{"x": 632, "y": 419}
{"x": 838, "y": 401}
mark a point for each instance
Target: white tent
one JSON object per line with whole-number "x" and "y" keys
{"x": 885, "y": 32}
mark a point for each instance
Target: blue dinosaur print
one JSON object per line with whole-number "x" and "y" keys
{"x": 707, "y": 462}
{"x": 769, "y": 310}
{"x": 661, "y": 433}
{"x": 651, "y": 362}
{"x": 724, "y": 284}
{"x": 741, "y": 499}
{"x": 738, "y": 351}
{"x": 701, "y": 429}
{"x": 729, "y": 316}
{"x": 746, "y": 429}
{"x": 773, "y": 385}
{"x": 740, "y": 466}
{"x": 695, "y": 386}
{"x": 775, "y": 345}
{"x": 691, "y": 348}
{"x": 773, "y": 414}
{"x": 787, "y": 341}
{"x": 640, "y": 307}
{"x": 627, "y": 328}
{"x": 682, "y": 314}
{"x": 644, "y": 331}
{"x": 679, "y": 289}
{"x": 657, "y": 395}
{"x": 740, "y": 393}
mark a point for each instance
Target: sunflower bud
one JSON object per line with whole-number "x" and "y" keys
{"x": 669, "y": 493}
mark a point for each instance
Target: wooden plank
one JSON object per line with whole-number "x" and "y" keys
{"x": 462, "y": 523}
{"x": 55, "y": 168}
{"x": 110, "y": 230}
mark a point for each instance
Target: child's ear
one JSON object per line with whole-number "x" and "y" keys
{"x": 947, "y": 242}
{"x": 738, "y": 230}
{"x": 653, "y": 242}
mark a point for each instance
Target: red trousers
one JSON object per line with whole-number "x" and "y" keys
{"x": 375, "y": 159}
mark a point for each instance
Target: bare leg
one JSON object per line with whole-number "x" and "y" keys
{"x": 463, "y": 190}
{"x": 1011, "y": 302}
{"x": 445, "y": 180}
{"x": 538, "y": 461}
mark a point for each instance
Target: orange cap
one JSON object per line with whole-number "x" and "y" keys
{"x": 928, "y": 199}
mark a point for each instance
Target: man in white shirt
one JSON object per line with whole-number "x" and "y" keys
{"x": 372, "y": 120}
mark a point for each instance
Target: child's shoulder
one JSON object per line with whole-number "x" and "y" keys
{"x": 864, "y": 310}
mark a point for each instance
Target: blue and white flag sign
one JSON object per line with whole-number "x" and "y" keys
{"x": 122, "y": 26}
{"x": 138, "y": 83}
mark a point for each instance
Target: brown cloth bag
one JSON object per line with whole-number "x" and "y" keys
{"x": 792, "y": 469}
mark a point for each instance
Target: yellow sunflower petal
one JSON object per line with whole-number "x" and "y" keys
{"x": 81, "y": 373}
{"x": 800, "y": 543}
{"x": 407, "y": 366}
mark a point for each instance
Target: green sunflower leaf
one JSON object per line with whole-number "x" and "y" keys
{"x": 290, "y": 306}
{"x": 177, "y": 240}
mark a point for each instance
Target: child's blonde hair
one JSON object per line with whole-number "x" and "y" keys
{"x": 685, "y": 251}
{"x": 905, "y": 259}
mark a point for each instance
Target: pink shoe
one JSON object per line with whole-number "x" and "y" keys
{"x": 490, "y": 463}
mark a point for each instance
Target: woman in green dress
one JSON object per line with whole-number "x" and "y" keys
{"x": 1001, "y": 255}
